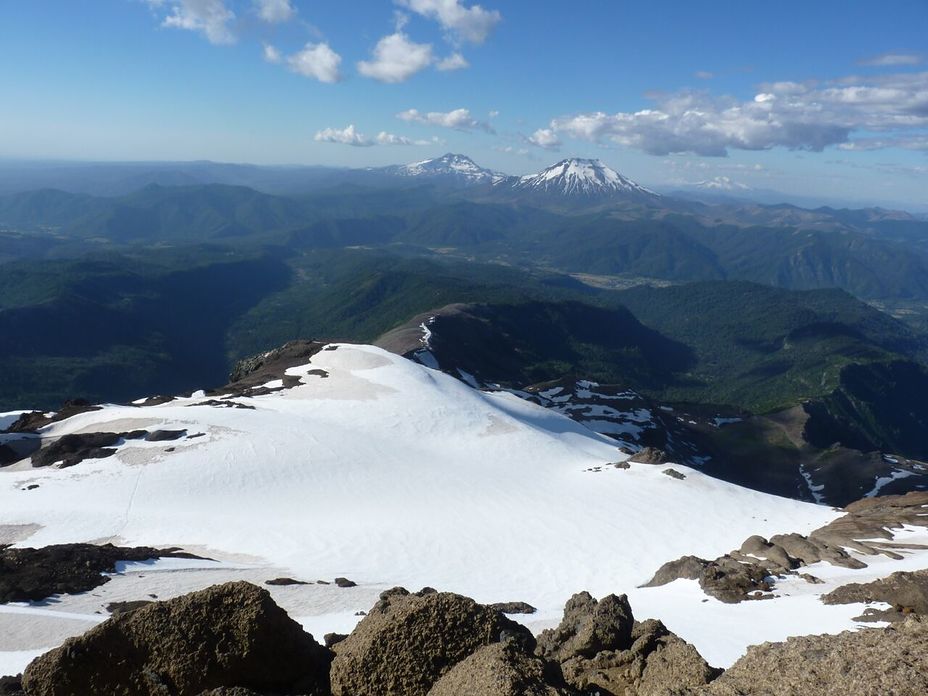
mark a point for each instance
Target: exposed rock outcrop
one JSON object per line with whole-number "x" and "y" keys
{"x": 602, "y": 649}
{"x": 906, "y": 592}
{"x": 750, "y": 571}
{"x": 34, "y": 574}
{"x": 873, "y": 662}
{"x": 649, "y": 455}
{"x": 230, "y": 635}
{"x": 514, "y": 607}
{"x": 588, "y": 627}
{"x": 407, "y": 642}
{"x": 250, "y": 375}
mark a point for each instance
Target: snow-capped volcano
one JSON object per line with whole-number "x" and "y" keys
{"x": 581, "y": 177}
{"x": 459, "y": 168}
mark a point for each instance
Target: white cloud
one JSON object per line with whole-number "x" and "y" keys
{"x": 545, "y": 138}
{"x": 472, "y": 24}
{"x": 318, "y": 61}
{"x": 275, "y": 11}
{"x": 396, "y": 58}
{"x": 801, "y": 116}
{"x": 458, "y": 119}
{"x": 703, "y": 74}
{"x": 212, "y": 18}
{"x": 349, "y": 135}
{"x": 453, "y": 62}
{"x": 493, "y": 114}
{"x": 510, "y": 150}
{"x": 271, "y": 54}
{"x": 891, "y": 59}
{"x": 345, "y": 136}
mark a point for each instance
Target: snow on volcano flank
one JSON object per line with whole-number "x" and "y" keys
{"x": 459, "y": 167}
{"x": 581, "y": 177}
{"x": 381, "y": 470}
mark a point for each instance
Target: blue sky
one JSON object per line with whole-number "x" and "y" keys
{"x": 827, "y": 98}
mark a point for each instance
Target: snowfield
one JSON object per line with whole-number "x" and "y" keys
{"x": 389, "y": 473}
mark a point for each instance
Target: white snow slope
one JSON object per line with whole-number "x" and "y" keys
{"x": 585, "y": 177}
{"x": 390, "y": 473}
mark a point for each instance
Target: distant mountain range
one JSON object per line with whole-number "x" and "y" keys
{"x": 451, "y": 170}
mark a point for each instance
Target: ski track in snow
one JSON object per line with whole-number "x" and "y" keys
{"x": 389, "y": 473}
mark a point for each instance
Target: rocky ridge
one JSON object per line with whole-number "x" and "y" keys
{"x": 233, "y": 640}
{"x": 750, "y": 572}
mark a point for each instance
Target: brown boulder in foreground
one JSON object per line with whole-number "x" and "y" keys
{"x": 408, "y": 642}
{"x": 870, "y": 662}
{"x": 602, "y": 649}
{"x": 227, "y": 635}
{"x": 501, "y": 669}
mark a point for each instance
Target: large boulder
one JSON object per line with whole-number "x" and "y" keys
{"x": 871, "y": 661}
{"x": 602, "y": 649}
{"x": 225, "y": 636}
{"x": 407, "y": 642}
{"x": 657, "y": 663}
{"x": 588, "y": 627}
{"x": 501, "y": 669}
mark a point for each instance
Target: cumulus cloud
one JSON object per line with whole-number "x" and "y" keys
{"x": 317, "y": 61}
{"x": 351, "y": 136}
{"x": 893, "y": 59}
{"x": 271, "y": 54}
{"x": 458, "y": 119}
{"x": 275, "y": 11}
{"x": 396, "y": 58}
{"x": 343, "y": 136}
{"x": 453, "y": 62}
{"x": 545, "y": 138}
{"x": 472, "y": 24}
{"x": 212, "y": 18}
{"x": 801, "y": 116}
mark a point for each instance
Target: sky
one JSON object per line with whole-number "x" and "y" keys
{"x": 825, "y": 98}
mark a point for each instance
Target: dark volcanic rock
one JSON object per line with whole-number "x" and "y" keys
{"x": 249, "y": 375}
{"x": 649, "y": 455}
{"x": 514, "y": 607}
{"x": 284, "y": 581}
{"x": 408, "y": 642}
{"x": 73, "y": 449}
{"x": 875, "y": 662}
{"x": 588, "y": 627}
{"x": 230, "y": 635}
{"x": 345, "y": 582}
{"x": 34, "y": 574}
{"x": 331, "y": 639}
{"x": 673, "y": 473}
{"x": 907, "y": 592}
{"x": 164, "y": 435}
{"x": 501, "y": 669}
{"x": 216, "y": 403}
{"x": 11, "y": 686}
{"x": 30, "y": 422}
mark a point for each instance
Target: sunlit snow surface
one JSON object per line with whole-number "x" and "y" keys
{"x": 390, "y": 473}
